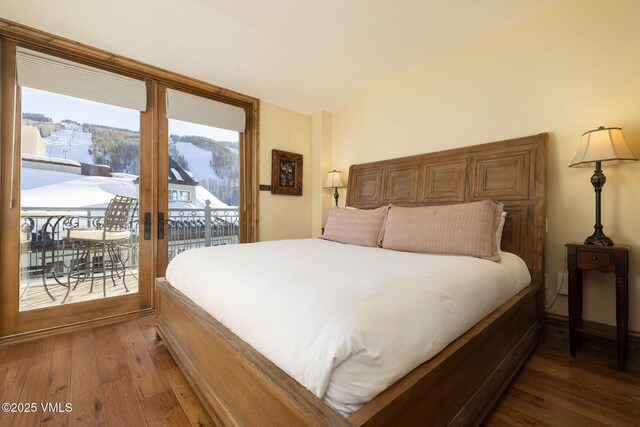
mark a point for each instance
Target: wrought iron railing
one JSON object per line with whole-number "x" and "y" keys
{"x": 43, "y": 229}
{"x": 194, "y": 228}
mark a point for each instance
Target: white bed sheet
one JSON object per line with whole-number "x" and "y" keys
{"x": 345, "y": 321}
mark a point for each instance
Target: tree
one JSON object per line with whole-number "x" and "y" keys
{"x": 36, "y": 117}
{"x": 224, "y": 162}
{"x": 118, "y": 148}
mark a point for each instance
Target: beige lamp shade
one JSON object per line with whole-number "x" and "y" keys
{"x": 606, "y": 145}
{"x": 334, "y": 180}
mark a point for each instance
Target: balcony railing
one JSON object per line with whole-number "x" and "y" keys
{"x": 194, "y": 228}
{"x": 43, "y": 229}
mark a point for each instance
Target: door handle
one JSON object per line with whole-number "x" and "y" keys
{"x": 147, "y": 226}
{"x": 160, "y": 225}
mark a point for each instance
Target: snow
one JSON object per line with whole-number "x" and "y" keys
{"x": 69, "y": 143}
{"x": 199, "y": 160}
{"x": 203, "y": 194}
{"x": 35, "y": 157}
{"x": 74, "y": 144}
{"x": 176, "y": 175}
{"x": 124, "y": 175}
{"x": 55, "y": 189}
{"x": 199, "y": 168}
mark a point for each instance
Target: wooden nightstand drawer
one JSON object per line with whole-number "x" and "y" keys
{"x": 588, "y": 260}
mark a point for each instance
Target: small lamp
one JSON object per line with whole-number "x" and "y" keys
{"x": 602, "y": 145}
{"x": 334, "y": 181}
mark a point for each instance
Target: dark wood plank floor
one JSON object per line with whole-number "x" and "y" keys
{"x": 118, "y": 375}
{"x": 555, "y": 389}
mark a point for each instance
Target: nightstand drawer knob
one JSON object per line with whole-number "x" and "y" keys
{"x": 594, "y": 258}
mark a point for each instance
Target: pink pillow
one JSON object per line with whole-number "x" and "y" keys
{"x": 363, "y": 227}
{"x": 460, "y": 229}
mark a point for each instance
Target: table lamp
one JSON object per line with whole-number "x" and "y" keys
{"x": 334, "y": 181}
{"x": 601, "y": 146}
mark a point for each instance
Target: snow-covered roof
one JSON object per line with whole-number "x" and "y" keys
{"x": 45, "y": 159}
{"x": 178, "y": 175}
{"x": 55, "y": 189}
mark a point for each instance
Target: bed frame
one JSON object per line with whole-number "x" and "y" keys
{"x": 239, "y": 386}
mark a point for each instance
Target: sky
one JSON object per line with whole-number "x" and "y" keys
{"x": 60, "y": 107}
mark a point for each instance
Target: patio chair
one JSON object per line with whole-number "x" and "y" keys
{"x": 98, "y": 251}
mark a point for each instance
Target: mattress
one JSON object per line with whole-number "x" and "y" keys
{"x": 345, "y": 321}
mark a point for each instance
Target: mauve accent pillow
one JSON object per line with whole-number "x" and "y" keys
{"x": 362, "y": 227}
{"x": 461, "y": 229}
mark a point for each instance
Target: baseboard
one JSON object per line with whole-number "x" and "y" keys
{"x": 30, "y": 336}
{"x": 562, "y": 322}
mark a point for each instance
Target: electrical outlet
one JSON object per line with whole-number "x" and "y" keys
{"x": 563, "y": 284}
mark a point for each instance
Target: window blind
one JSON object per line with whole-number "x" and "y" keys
{"x": 52, "y": 74}
{"x": 196, "y": 109}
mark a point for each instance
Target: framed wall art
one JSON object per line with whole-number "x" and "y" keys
{"x": 286, "y": 173}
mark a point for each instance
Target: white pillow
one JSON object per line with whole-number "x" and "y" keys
{"x": 499, "y": 229}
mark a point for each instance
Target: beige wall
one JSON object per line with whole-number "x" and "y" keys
{"x": 284, "y": 217}
{"x": 321, "y": 144}
{"x": 566, "y": 71}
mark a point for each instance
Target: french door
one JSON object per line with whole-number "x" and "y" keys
{"x": 105, "y": 175}
{"x": 202, "y": 202}
{"x": 76, "y": 174}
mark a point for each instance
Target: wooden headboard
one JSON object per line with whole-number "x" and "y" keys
{"x": 511, "y": 171}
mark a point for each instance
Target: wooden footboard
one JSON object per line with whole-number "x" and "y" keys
{"x": 462, "y": 383}
{"x": 239, "y": 386}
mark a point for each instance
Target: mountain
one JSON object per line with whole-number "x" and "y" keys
{"x": 213, "y": 164}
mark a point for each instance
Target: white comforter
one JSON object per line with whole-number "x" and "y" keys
{"x": 345, "y": 321}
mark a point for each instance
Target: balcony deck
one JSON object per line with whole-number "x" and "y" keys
{"x": 44, "y": 248}
{"x": 33, "y": 295}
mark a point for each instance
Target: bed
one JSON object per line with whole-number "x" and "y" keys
{"x": 239, "y": 386}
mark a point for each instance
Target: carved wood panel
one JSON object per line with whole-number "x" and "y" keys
{"x": 501, "y": 177}
{"x": 443, "y": 182}
{"x": 366, "y": 189}
{"x": 515, "y": 231}
{"x": 401, "y": 185}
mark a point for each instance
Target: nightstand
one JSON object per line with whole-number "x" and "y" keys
{"x": 607, "y": 259}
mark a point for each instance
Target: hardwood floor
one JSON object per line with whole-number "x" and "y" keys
{"x": 118, "y": 375}
{"x": 554, "y": 389}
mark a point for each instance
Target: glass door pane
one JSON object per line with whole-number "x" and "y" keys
{"x": 204, "y": 186}
{"x": 79, "y": 197}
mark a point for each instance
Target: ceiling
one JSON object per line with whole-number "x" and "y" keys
{"x": 305, "y": 55}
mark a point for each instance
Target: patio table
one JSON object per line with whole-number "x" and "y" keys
{"x": 48, "y": 245}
